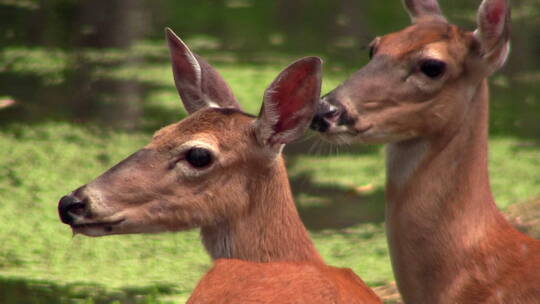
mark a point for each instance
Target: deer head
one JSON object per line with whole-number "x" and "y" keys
{"x": 197, "y": 172}
{"x": 420, "y": 80}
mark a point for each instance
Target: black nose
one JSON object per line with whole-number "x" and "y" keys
{"x": 70, "y": 206}
{"x": 321, "y": 121}
{"x": 319, "y": 124}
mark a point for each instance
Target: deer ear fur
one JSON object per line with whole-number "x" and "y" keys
{"x": 289, "y": 104}
{"x": 424, "y": 10}
{"x": 198, "y": 83}
{"x": 493, "y": 33}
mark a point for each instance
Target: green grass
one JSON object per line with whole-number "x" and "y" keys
{"x": 41, "y": 262}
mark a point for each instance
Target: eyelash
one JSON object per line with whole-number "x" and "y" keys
{"x": 373, "y": 47}
{"x": 371, "y": 51}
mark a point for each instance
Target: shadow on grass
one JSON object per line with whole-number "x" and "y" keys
{"x": 105, "y": 102}
{"x": 314, "y": 144}
{"x": 330, "y": 206}
{"x": 17, "y": 291}
{"x": 336, "y": 207}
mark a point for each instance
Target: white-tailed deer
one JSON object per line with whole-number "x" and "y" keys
{"x": 222, "y": 170}
{"x": 425, "y": 94}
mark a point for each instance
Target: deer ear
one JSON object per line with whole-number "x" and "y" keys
{"x": 493, "y": 33}
{"x": 289, "y": 103}
{"x": 420, "y": 10}
{"x": 199, "y": 85}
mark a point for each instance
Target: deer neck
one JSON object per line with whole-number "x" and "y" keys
{"x": 440, "y": 208}
{"x": 270, "y": 230}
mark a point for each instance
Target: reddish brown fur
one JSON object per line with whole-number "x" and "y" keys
{"x": 401, "y": 44}
{"x": 270, "y": 201}
{"x": 448, "y": 241}
{"x": 280, "y": 282}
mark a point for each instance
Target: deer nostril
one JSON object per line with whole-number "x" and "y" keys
{"x": 70, "y": 206}
{"x": 319, "y": 124}
{"x": 322, "y": 121}
{"x": 78, "y": 209}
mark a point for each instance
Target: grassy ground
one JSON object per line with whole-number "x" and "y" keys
{"x": 339, "y": 193}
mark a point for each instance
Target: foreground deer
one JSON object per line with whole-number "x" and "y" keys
{"x": 222, "y": 170}
{"x": 425, "y": 93}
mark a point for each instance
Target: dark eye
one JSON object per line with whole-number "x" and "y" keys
{"x": 371, "y": 52}
{"x": 373, "y": 47}
{"x": 432, "y": 68}
{"x": 199, "y": 157}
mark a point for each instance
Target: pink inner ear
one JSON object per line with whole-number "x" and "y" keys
{"x": 496, "y": 12}
{"x": 292, "y": 95}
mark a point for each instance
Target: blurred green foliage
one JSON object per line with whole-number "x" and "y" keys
{"x": 83, "y": 62}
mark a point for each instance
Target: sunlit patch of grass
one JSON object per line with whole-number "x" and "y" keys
{"x": 41, "y": 164}
{"x": 26, "y": 4}
{"x": 514, "y": 170}
{"x": 361, "y": 247}
{"x": 41, "y": 62}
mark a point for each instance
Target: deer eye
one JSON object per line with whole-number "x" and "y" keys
{"x": 373, "y": 47}
{"x": 432, "y": 68}
{"x": 371, "y": 52}
{"x": 199, "y": 157}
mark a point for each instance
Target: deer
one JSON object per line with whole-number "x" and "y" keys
{"x": 424, "y": 93}
{"x": 222, "y": 170}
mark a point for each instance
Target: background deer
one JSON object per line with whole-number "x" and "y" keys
{"x": 222, "y": 170}
{"x": 425, "y": 93}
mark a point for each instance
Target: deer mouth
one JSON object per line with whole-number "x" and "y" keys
{"x": 335, "y": 122}
{"x": 97, "y": 228}
{"x": 346, "y": 133}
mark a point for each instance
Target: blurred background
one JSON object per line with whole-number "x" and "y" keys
{"x": 85, "y": 83}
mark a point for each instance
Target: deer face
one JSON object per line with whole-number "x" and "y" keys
{"x": 419, "y": 81}
{"x": 192, "y": 173}
{"x": 197, "y": 172}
